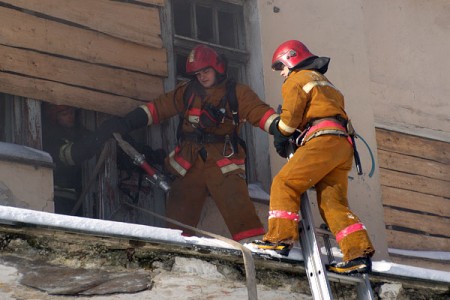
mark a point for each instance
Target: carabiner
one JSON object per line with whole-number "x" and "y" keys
{"x": 230, "y": 145}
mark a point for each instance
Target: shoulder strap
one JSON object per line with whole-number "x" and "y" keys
{"x": 232, "y": 100}
{"x": 187, "y": 94}
{"x": 193, "y": 88}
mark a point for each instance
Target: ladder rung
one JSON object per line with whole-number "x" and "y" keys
{"x": 324, "y": 231}
{"x": 345, "y": 278}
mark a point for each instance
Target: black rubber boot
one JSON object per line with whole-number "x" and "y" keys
{"x": 280, "y": 248}
{"x": 358, "y": 265}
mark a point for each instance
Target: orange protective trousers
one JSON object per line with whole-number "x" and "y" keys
{"x": 229, "y": 192}
{"x": 323, "y": 162}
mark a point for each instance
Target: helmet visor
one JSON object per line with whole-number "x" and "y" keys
{"x": 277, "y": 66}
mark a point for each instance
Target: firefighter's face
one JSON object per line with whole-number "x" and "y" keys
{"x": 66, "y": 118}
{"x": 284, "y": 72}
{"x": 206, "y": 77}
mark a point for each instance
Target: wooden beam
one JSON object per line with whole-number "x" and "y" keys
{"x": 153, "y": 2}
{"x": 59, "y": 93}
{"x": 85, "y": 75}
{"x": 413, "y": 146}
{"x": 22, "y": 30}
{"x": 433, "y": 264}
{"x": 415, "y": 201}
{"x": 411, "y": 241}
{"x": 430, "y": 225}
{"x": 139, "y": 24}
{"x": 414, "y": 165}
{"x": 413, "y": 182}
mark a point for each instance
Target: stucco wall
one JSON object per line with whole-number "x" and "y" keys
{"x": 335, "y": 29}
{"x": 26, "y": 186}
{"x": 408, "y": 43}
{"x": 26, "y": 178}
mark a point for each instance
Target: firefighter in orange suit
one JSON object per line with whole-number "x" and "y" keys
{"x": 313, "y": 106}
{"x": 209, "y": 158}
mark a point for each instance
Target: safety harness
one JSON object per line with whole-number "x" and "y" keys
{"x": 318, "y": 127}
{"x": 199, "y": 135}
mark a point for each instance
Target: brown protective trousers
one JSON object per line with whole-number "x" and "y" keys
{"x": 229, "y": 192}
{"x": 323, "y": 162}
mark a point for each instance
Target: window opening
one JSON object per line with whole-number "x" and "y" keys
{"x": 218, "y": 24}
{"x": 205, "y": 26}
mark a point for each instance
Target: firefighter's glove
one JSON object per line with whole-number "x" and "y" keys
{"x": 88, "y": 146}
{"x": 155, "y": 157}
{"x": 280, "y": 141}
{"x": 211, "y": 116}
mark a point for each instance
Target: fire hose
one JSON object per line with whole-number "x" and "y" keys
{"x": 153, "y": 176}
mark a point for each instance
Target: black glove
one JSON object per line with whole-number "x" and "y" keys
{"x": 280, "y": 141}
{"x": 88, "y": 146}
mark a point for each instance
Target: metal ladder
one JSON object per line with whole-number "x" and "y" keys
{"x": 319, "y": 278}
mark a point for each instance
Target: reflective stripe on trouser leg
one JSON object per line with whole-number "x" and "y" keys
{"x": 348, "y": 230}
{"x": 284, "y": 223}
{"x": 284, "y": 215}
{"x": 354, "y": 242}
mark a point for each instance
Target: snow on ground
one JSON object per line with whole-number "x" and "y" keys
{"x": 11, "y": 215}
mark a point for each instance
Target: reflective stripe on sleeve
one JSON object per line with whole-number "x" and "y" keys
{"x": 267, "y": 119}
{"x": 348, "y": 230}
{"x": 150, "y": 110}
{"x": 65, "y": 154}
{"x": 285, "y": 128}
{"x": 282, "y": 214}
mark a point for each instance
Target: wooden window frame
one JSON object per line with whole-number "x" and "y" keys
{"x": 237, "y": 57}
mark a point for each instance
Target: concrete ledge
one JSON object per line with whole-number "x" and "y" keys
{"x": 119, "y": 254}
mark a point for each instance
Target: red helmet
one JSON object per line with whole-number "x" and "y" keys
{"x": 290, "y": 54}
{"x": 202, "y": 57}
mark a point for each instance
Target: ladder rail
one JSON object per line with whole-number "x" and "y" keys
{"x": 319, "y": 279}
{"x": 315, "y": 268}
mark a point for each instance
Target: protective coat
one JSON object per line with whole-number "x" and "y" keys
{"x": 219, "y": 176}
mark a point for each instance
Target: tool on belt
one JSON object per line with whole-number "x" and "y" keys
{"x": 153, "y": 176}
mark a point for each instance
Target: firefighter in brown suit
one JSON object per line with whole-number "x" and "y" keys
{"x": 209, "y": 158}
{"x": 315, "y": 107}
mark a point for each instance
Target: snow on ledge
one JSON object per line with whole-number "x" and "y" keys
{"x": 14, "y": 215}
{"x": 11, "y": 215}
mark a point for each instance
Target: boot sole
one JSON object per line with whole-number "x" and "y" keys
{"x": 282, "y": 250}
{"x": 358, "y": 269}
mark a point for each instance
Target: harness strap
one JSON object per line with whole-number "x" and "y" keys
{"x": 316, "y": 131}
